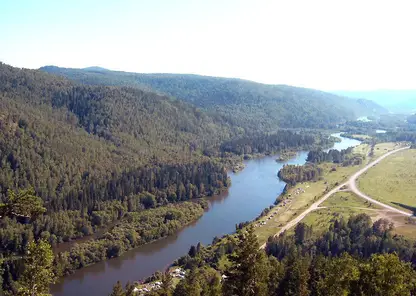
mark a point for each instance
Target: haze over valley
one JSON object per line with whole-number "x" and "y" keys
{"x": 237, "y": 148}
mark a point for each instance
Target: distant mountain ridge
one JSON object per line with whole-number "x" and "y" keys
{"x": 95, "y": 68}
{"x": 240, "y": 102}
{"x": 394, "y": 100}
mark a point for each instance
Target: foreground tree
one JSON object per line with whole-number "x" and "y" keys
{"x": 385, "y": 274}
{"x": 297, "y": 276}
{"x": 38, "y": 273}
{"x": 340, "y": 275}
{"x": 118, "y": 290}
{"x": 248, "y": 274}
{"x": 129, "y": 289}
{"x": 166, "y": 288}
{"x": 23, "y": 203}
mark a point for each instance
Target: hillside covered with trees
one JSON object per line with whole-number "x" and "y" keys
{"x": 81, "y": 146}
{"x": 115, "y": 160}
{"x": 353, "y": 257}
{"x": 94, "y": 154}
{"x": 118, "y": 161}
{"x": 246, "y": 104}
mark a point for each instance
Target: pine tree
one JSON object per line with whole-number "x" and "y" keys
{"x": 341, "y": 274}
{"x": 189, "y": 286}
{"x": 129, "y": 289}
{"x": 166, "y": 288}
{"x": 248, "y": 274}
{"x": 118, "y": 290}
{"x": 38, "y": 273}
{"x": 385, "y": 274}
{"x": 192, "y": 251}
{"x": 277, "y": 270}
{"x": 296, "y": 277}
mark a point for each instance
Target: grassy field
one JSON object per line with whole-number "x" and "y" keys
{"x": 361, "y": 137}
{"x": 393, "y": 181}
{"x": 347, "y": 204}
{"x": 362, "y": 149}
{"x": 382, "y": 148}
{"x": 341, "y": 204}
{"x": 294, "y": 203}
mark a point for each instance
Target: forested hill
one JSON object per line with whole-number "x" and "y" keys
{"x": 90, "y": 151}
{"x": 80, "y": 145}
{"x": 135, "y": 122}
{"x": 249, "y": 105}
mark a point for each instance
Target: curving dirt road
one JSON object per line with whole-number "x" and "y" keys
{"x": 351, "y": 183}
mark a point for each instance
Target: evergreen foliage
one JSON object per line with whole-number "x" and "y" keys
{"x": 293, "y": 174}
{"x": 246, "y": 104}
{"x": 355, "y": 257}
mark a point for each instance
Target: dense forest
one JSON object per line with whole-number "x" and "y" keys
{"x": 134, "y": 229}
{"x": 344, "y": 157}
{"x": 353, "y": 257}
{"x": 251, "y": 106}
{"x": 117, "y": 160}
{"x": 279, "y": 141}
{"x": 293, "y": 174}
{"x": 95, "y": 154}
{"x": 121, "y": 164}
{"x": 408, "y": 136}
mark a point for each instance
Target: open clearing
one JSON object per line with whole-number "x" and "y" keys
{"x": 295, "y": 201}
{"x": 339, "y": 205}
{"x": 383, "y": 148}
{"x": 393, "y": 181}
{"x": 361, "y": 137}
{"x": 302, "y": 196}
{"x": 347, "y": 204}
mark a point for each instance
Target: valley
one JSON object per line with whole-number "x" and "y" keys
{"x": 207, "y": 148}
{"x": 297, "y": 203}
{"x": 149, "y": 160}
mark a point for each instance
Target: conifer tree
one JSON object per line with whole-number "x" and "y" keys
{"x": 248, "y": 274}
{"x": 38, "y": 273}
{"x": 166, "y": 288}
{"x": 118, "y": 290}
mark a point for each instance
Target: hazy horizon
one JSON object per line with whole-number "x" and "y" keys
{"x": 321, "y": 44}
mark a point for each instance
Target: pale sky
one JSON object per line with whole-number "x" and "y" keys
{"x": 326, "y": 45}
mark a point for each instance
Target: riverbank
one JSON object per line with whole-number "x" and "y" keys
{"x": 286, "y": 155}
{"x": 253, "y": 189}
{"x": 353, "y": 204}
{"x": 297, "y": 200}
{"x": 134, "y": 230}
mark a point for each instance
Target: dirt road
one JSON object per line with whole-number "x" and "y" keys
{"x": 351, "y": 183}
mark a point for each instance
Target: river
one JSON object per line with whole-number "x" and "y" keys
{"x": 252, "y": 190}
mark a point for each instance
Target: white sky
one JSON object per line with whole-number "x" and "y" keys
{"x": 320, "y": 44}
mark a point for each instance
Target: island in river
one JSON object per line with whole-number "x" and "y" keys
{"x": 252, "y": 189}
{"x": 286, "y": 155}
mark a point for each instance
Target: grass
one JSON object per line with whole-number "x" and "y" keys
{"x": 339, "y": 205}
{"x": 383, "y": 148}
{"x": 361, "y": 137}
{"x": 362, "y": 149}
{"x": 347, "y": 204}
{"x": 293, "y": 204}
{"x": 393, "y": 180}
{"x": 347, "y": 199}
